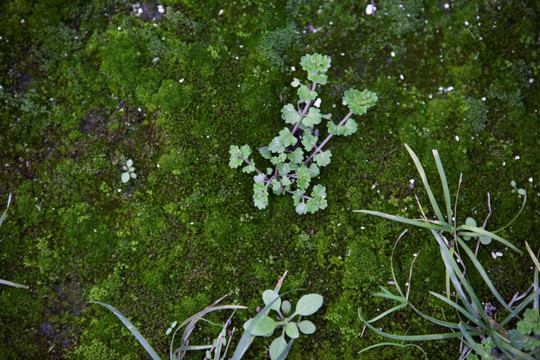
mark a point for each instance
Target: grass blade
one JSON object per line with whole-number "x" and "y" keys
{"x": 470, "y": 341}
{"x": 484, "y": 275}
{"x": 474, "y": 231}
{"x": 422, "y": 173}
{"x": 5, "y": 212}
{"x": 444, "y": 183}
{"x": 387, "y": 312}
{"x": 422, "y": 224}
{"x": 533, "y": 257}
{"x": 520, "y": 308}
{"x": 460, "y": 309}
{"x": 394, "y": 344}
{"x": 428, "y": 337}
{"x": 286, "y": 350}
{"x": 131, "y": 328}
{"x": 9, "y": 283}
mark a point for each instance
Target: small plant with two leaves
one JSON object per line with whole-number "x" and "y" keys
{"x": 219, "y": 347}
{"x": 297, "y": 153}
{"x": 477, "y": 325}
{"x": 129, "y": 171}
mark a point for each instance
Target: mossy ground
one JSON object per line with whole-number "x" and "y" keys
{"x": 88, "y": 84}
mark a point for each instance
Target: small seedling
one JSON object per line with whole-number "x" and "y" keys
{"x": 129, "y": 171}
{"x": 265, "y": 325}
{"x": 294, "y": 169}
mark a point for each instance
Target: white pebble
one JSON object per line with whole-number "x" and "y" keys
{"x": 293, "y": 68}
{"x": 392, "y": 54}
{"x": 317, "y": 102}
{"x": 401, "y": 77}
{"x": 531, "y": 180}
{"x": 531, "y": 80}
{"x": 516, "y": 157}
{"x": 484, "y": 98}
{"x": 457, "y": 138}
{"x": 220, "y": 12}
{"x": 160, "y": 9}
{"x": 370, "y": 9}
{"x": 446, "y": 6}
{"x": 466, "y": 23}
{"x": 181, "y": 80}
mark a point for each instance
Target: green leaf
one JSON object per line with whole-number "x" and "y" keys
{"x": 268, "y": 296}
{"x": 125, "y": 177}
{"x": 286, "y": 307}
{"x": 276, "y": 347}
{"x": 314, "y": 171}
{"x": 249, "y": 168}
{"x": 347, "y": 129}
{"x": 308, "y": 304}
{"x": 359, "y": 102}
{"x": 276, "y": 146}
{"x": 290, "y": 115}
{"x": 132, "y": 329}
{"x": 323, "y": 158}
{"x": 285, "y": 181}
{"x": 236, "y": 157}
{"x": 129, "y": 163}
{"x": 301, "y": 208}
{"x": 306, "y": 327}
{"x": 530, "y": 323}
{"x": 318, "y": 200}
{"x": 286, "y": 138}
{"x": 315, "y": 63}
{"x": 264, "y": 327}
{"x": 309, "y": 141}
{"x": 297, "y": 156}
{"x": 259, "y": 179}
{"x": 470, "y": 222}
{"x": 317, "y": 78}
{"x": 283, "y": 169}
{"x": 260, "y": 196}
{"x": 312, "y": 118}
{"x": 303, "y": 178}
{"x": 265, "y": 152}
{"x": 246, "y": 151}
{"x": 305, "y": 94}
{"x": 276, "y": 187}
{"x": 292, "y": 330}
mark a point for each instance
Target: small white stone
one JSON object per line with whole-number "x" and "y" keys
{"x": 139, "y": 109}
{"x": 457, "y": 138}
{"x": 317, "y": 102}
{"x": 370, "y": 9}
{"x": 531, "y": 180}
{"x": 446, "y": 6}
{"x": 119, "y": 28}
{"x": 293, "y": 68}
{"x": 23, "y": 21}
{"x": 392, "y": 54}
{"x": 331, "y": 23}
{"x": 504, "y": 163}
{"x": 342, "y": 54}
{"x": 181, "y": 80}
{"x": 450, "y": 88}
{"x": 466, "y": 23}
{"x": 516, "y": 157}
{"x": 484, "y": 98}
{"x": 236, "y": 57}
{"x": 401, "y": 77}
{"x": 411, "y": 181}
{"x": 160, "y": 9}
{"x": 531, "y": 80}
{"x": 220, "y": 12}
{"x": 363, "y": 228}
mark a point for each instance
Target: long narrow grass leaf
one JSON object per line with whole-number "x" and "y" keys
{"x": 474, "y": 231}
{"x": 131, "y": 328}
{"x": 387, "y": 312}
{"x": 470, "y": 341}
{"x": 444, "y": 183}
{"x": 483, "y": 274}
{"x": 461, "y": 310}
{"x": 515, "y": 353}
{"x": 422, "y": 173}
{"x": 436, "y": 321}
{"x": 9, "y": 283}
{"x": 388, "y": 295}
{"x": 422, "y": 224}
{"x": 285, "y": 351}
{"x": 532, "y": 297}
{"x": 194, "y": 347}
{"x": 533, "y": 257}
{"x": 515, "y": 217}
{"x": 428, "y": 337}
{"x": 393, "y": 344}
{"x": 5, "y": 212}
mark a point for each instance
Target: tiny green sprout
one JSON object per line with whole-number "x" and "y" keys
{"x": 129, "y": 171}
{"x": 297, "y": 152}
{"x": 291, "y": 325}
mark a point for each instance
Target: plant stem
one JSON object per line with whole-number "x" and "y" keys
{"x": 319, "y": 148}
{"x": 249, "y": 163}
{"x": 304, "y": 112}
